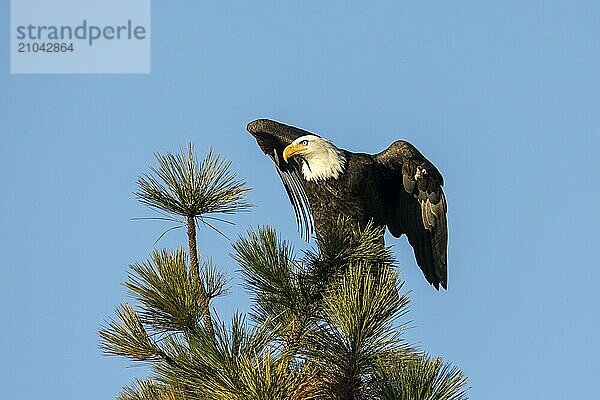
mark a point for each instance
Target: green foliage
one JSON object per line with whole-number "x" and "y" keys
{"x": 166, "y": 291}
{"x": 419, "y": 377}
{"x": 168, "y": 294}
{"x": 343, "y": 244}
{"x": 240, "y": 364}
{"x": 281, "y": 292}
{"x": 181, "y": 186}
{"x": 356, "y": 329}
{"x": 289, "y": 291}
{"x": 148, "y": 389}
{"x": 214, "y": 281}
{"x": 128, "y": 337}
{"x": 325, "y": 325}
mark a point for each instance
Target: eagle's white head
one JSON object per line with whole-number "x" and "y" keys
{"x": 319, "y": 158}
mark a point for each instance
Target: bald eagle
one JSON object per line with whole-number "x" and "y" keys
{"x": 398, "y": 188}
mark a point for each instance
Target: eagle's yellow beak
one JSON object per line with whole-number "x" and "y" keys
{"x": 292, "y": 150}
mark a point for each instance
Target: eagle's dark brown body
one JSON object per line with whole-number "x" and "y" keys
{"x": 346, "y": 195}
{"x": 398, "y": 188}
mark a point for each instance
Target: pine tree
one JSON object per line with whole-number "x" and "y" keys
{"x": 323, "y": 325}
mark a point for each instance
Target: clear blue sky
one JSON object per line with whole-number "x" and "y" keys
{"x": 504, "y": 97}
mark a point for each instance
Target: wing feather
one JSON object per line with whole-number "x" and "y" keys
{"x": 416, "y": 203}
{"x": 272, "y": 137}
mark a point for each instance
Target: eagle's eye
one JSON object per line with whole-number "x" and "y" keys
{"x": 304, "y": 142}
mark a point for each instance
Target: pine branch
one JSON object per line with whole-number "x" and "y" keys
{"x": 214, "y": 281}
{"x": 182, "y": 187}
{"x": 208, "y": 366}
{"x": 281, "y": 293}
{"x": 419, "y": 378}
{"x": 268, "y": 376}
{"x": 343, "y": 244}
{"x": 179, "y": 186}
{"x": 148, "y": 389}
{"x": 289, "y": 291}
{"x": 268, "y": 266}
{"x": 128, "y": 337}
{"x": 166, "y": 290}
{"x": 203, "y": 299}
{"x": 357, "y": 329}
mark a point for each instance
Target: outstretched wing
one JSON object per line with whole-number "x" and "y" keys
{"x": 416, "y": 206}
{"x": 273, "y": 137}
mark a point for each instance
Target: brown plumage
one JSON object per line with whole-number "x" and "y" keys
{"x": 398, "y": 188}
